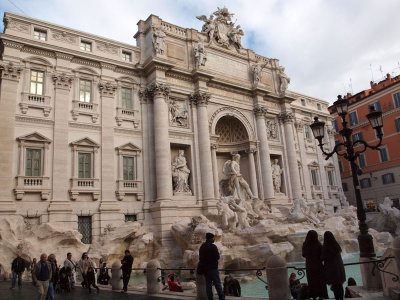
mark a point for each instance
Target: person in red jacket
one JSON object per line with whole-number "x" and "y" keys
{"x": 174, "y": 286}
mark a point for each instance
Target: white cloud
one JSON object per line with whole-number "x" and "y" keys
{"x": 321, "y": 43}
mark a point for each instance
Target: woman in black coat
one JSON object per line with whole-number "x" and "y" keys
{"x": 333, "y": 265}
{"x": 312, "y": 251}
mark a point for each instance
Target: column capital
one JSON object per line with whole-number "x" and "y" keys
{"x": 260, "y": 110}
{"x": 286, "y": 117}
{"x": 214, "y": 146}
{"x": 200, "y": 98}
{"x": 62, "y": 80}
{"x": 10, "y": 71}
{"x": 107, "y": 88}
{"x": 157, "y": 89}
{"x": 252, "y": 150}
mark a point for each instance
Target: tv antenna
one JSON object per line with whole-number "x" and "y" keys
{"x": 372, "y": 73}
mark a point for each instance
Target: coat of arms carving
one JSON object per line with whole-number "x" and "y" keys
{"x": 220, "y": 28}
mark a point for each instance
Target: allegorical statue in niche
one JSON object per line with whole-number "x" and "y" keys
{"x": 180, "y": 174}
{"x": 238, "y": 185}
{"x": 200, "y": 57}
{"x": 178, "y": 115}
{"x": 256, "y": 70}
{"x": 276, "y": 176}
{"x": 158, "y": 40}
{"x": 284, "y": 81}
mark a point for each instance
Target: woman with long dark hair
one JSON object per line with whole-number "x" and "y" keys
{"x": 312, "y": 251}
{"x": 333, "y": 265}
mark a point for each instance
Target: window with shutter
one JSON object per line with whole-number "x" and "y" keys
{"x": 84, "y": 165}
{"x": 33, "y": 162}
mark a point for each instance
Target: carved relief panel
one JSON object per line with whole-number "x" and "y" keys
{"x": 272, "y": 129}
{"x": 178, "y": 113}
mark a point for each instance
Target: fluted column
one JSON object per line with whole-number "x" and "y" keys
{"x": 215, "y": 170}
{"x": 287, "y": 119}
{"x": 253, "y": 175}
{"x": 159, "y": 93}
{"x": 265, "y": 159}
{"x": 201, "y": 100}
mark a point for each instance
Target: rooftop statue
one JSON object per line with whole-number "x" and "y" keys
{"x": 220, "y": 28}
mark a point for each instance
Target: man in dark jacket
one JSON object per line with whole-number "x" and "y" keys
{"x": 209, "y": 256}
{"x": 41, "y": 275}
{"x": 126, "y": 269}
{"x": 17, "y": 268}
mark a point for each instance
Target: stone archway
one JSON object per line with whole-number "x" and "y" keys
{"x": 230, "y": 130}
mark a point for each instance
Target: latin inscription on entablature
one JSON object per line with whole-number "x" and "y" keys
{"x": 228, "y": 66}
{"x": 229, "y": 94}
{"x": 179, "y": 82}
{"x": 273, "y": 105}
{"x": 176, "y": 51}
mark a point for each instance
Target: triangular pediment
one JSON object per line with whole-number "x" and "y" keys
{"x": 313, "y": 164}
{"x": 86, "y": 142}
{"x": 129, "y": 147}
{"x": 34, "y": 137}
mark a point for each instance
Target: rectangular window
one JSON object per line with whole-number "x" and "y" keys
{"x": 376, "y": 105}
{"x": 397, "y": 122}
{"x": 36, "y": 82}
{"x": 307, "y": 132}
{"x": 130, "y": 218}
{"x": 335, "y": 126}
{"x": 356, "y": 136}
{"x": 303, "y": 102}
{"x": 129, "y": 168}
{"x": 344, "y": 186}
{"x": 383, "y": 154}
{"x": 331, "y": 177}
{"x": 39, "y": 34}
{"x": 365, "y": 183}
{"x": 388, "y": 178}
{"x": 362, "y": 161}
{"x": 84, "y": 165}
{"x": 85, "y": 90}
{"x": 318, "y": 106}
{"x": 33, "y": 162}
{"x": 314, "y": 177}
{"x": 126, "y": 56}
{"x": 126, "y": 97}
{"x": 340, "y": 166}
{"x": 86, "y": 46}
{"x": 396, "y": 99}
{"x": 353, "y": 118}
{"x": 85, "y": 228}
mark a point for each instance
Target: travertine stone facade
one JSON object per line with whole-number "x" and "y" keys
{"x": 90, "y": 126}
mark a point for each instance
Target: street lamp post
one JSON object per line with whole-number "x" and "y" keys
{"x": 318, "y": 128}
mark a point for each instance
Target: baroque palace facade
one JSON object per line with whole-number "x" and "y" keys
{"x": 96, "y": 132}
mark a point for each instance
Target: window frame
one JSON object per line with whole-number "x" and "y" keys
{"x": 85, "y": 90}
{"x": 330, "y": 174}
{"x": 376, "y": 105}
{"x": 86, "y": 45}
{"x": 381, "y": 148}
{"x": 365, "y": 180}
{"x": 90, "y": 162}
{"x": 134, "y": 167}
{"x": 386, "y": 175}
{"x": 335, "y": 125}
{"x": 359, "y": 136}
{"x": 356, "y": 118}
{"x": 125, "y": 55}
{"x": 303, "y": 102}
{"x": 364, "y": 160}
{"x": 36, "y": 82}
{"x": 40, "y": 34}
{"x": 396, "y": 99}
{"x": 40, "y": 171}
{"x": 319, "y": 106}
{"x": 397, "y": 124}
{"x": 123, "y": 100}
{"x": 312, "y": 171}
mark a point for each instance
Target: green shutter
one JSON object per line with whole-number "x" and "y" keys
{"x": 128, "y": 168}
{"x": 33, "y": 162}
{"x": 28, "y": 164}
{"x": 84, "y": 165}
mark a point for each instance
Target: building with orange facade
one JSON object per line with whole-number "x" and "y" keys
{"x": 380, "y": 168}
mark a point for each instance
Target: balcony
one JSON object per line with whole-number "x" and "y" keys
{"x": 84, "y": 108}
{"x": 129, "y": 187}
{"x": 35, "y": 101}
{"x": 85, "y": 186}
{"x": 125, "y": 114}
{"x": 32, "y": 184}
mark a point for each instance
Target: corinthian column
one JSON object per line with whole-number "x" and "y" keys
{"x": 287, "y": 119}
{"x": 159, "y": 93}
{"x": 201, "y": 100}
{"x": 265, "y": 159}
{"x": 253, "y": 175}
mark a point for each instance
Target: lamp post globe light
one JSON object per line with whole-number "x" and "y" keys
{"x": 318, "y": 128}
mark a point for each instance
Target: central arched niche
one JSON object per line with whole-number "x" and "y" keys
{"x": 232, "y": 138}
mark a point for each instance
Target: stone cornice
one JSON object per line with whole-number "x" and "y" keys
{"x": 62, "y": 80}
{"x": 33, "y": 120}
{"x": 108, "y": 66}
{"x": 12, "y": 44}
{"x": 157, "y": 64}
{"x": 200, "y": 98}
{"x": 61, "y": 55}
{"x": 84, "y": 126}
{"x": 10, "y": 71}
{"x": 87, "y": 62}
{"x": 259, "y": 110}
{"x": 107, "y": 89}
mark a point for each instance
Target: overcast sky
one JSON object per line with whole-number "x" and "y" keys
{"x": 327, "y": 47}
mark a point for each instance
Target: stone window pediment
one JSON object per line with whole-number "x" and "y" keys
{"x": 86, "y": 142}
{"x": 129, "y": 147}
{"x": 34, "y": 137}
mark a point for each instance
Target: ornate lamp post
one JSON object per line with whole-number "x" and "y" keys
{"x": 375, "y": 118}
